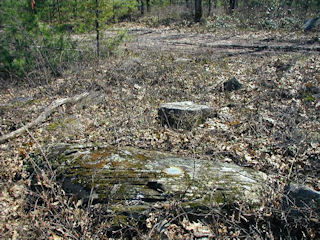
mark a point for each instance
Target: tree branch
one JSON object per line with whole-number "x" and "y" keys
{"x": 43, "y": 116}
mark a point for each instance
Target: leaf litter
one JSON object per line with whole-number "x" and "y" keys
{"x": 271, "y": 124}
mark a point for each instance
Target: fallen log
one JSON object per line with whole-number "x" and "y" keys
{"x": 136, "y": 177}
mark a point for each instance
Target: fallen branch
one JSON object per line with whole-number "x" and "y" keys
{"x": 43, "y": 116}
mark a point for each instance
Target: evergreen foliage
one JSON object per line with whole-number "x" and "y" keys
{"x": 37, "y": 41}
{"x": 29, "y": 46}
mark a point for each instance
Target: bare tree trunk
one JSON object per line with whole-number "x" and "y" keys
{"x": 113, "y": 12}
{"x": 142, "y": 7}
{"x": 0, "y": 13}
{"x": 188, "y": 4}
{"x": 198, "y": 10}
{"x": 306, "y": 5}
{"x": 209, "y": 7}
{"x": 97, "y": 28}
{"x": 75, "y": 8}
{"x": 51, "y": 11}
{"x": 59, "y": 12}
{"x": 288, "y": 6}
{"x": 232, "y": 5}
{"x": 148, "y": 5}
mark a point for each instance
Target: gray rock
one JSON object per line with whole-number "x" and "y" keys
{"x": 132, "y": 176}
{"x": 232, "y": 85}
{"x": 185, "y": 115}
{"x": 299, "y": 198}
{"x": 312, "y": 24}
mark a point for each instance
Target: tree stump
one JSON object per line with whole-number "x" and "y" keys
{"x": 185, "y": 115}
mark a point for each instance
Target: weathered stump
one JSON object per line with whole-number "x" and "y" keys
{"x": 185, "y": 115}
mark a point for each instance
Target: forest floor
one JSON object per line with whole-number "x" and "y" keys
{"x": 272, "y": 124}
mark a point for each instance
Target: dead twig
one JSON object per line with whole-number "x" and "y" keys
{"x": 43, "y": 116}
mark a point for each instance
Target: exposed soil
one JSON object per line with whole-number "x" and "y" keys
{"x": 219, "y": 44}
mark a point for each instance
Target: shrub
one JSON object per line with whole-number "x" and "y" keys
{"x": 28, "y": 46}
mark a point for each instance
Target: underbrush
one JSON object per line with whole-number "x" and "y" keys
{"x": 245, "y": 18}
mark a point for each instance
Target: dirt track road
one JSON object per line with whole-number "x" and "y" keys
{"x": 170, "y": 40}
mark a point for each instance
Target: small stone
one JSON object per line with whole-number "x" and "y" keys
{"x": 299, "y": 198}
{"x": 312, "y": 24}
{"x": 232, "y": 85}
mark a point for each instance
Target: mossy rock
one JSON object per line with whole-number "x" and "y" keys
{"x": 136, "y": 177}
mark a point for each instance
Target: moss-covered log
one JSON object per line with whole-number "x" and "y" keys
{"x": 140, "y": 177}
